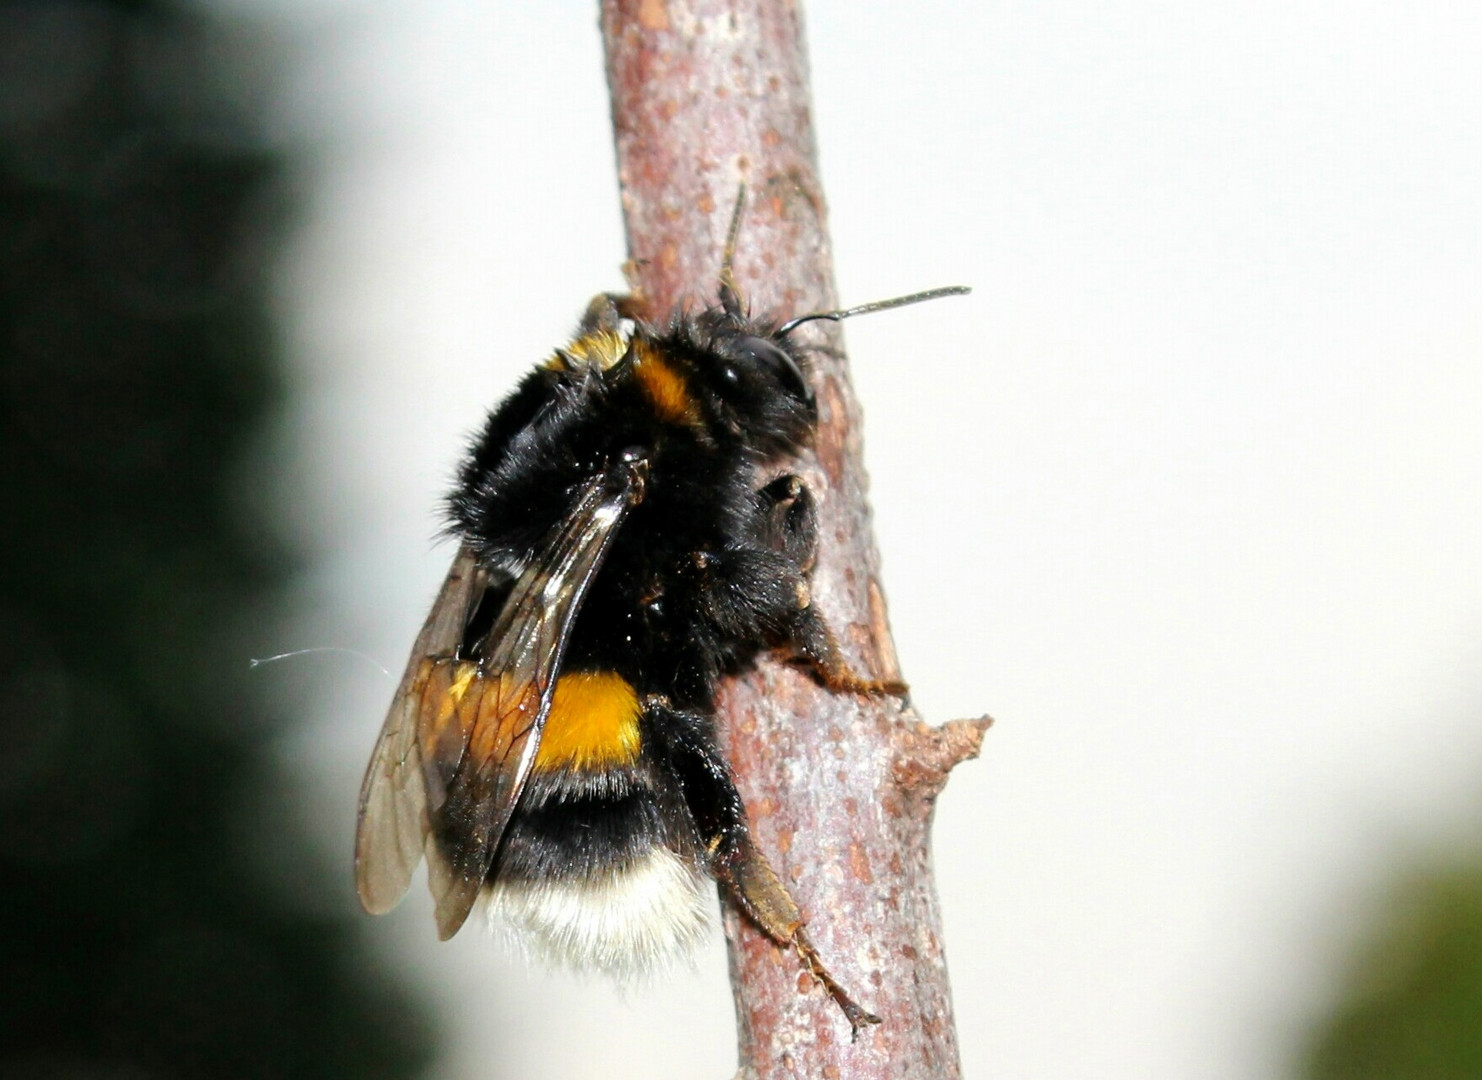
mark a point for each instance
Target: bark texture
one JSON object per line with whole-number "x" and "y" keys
{"x": 708, "y": 94}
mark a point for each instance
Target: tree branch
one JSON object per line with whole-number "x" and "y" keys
{"x": 707, "y": 94}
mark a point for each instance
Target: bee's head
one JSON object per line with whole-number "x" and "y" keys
{"x": 756, "y": 381}
{"x": 761, "y": 364}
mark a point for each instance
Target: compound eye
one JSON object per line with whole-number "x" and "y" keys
{"x": 769, "y": 356}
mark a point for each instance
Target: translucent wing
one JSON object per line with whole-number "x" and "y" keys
{"x": 472, "y": 726}
{"x": 393, "y": 822}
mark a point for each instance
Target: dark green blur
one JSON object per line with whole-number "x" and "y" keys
{"x": 140, "y": 215}
{"x": 1412, "y": 1004}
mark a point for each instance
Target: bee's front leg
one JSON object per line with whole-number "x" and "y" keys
{"x": 788, "y": 521}
{"x": 767, "y": 592}
{"x": 813, "y": 642}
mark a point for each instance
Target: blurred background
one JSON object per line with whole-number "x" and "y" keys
{"x": 1185, "y": 495}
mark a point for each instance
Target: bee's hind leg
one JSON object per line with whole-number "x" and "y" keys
{"x": 688, "y": 752}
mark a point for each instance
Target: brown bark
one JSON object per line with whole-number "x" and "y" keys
{"x": 708, "y": 94}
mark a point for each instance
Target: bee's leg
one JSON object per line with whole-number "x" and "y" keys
{"x": 764, "y": 596}
{"x": 607, "y": 311}
{"x": 789, "y": 525}
{"x": 715, "y": 806}
{"x": 812, "y": 642}
{"x": 789, "y": 522}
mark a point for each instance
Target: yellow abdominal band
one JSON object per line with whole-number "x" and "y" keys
{"x": 593, "y": 723}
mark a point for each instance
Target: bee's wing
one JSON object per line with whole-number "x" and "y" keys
{"x": 474, "y": 727}
{"x": 393, "y": 822}
{"x": 502, "y": 712}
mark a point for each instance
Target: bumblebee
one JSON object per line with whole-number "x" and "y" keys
{"x": 552, "y": 744}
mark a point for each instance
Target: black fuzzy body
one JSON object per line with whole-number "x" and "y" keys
{"x": 552, "y": 744}
{"x": 705, "y": 572}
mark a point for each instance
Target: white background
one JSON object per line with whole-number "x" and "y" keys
{"x": 1185, "y": 494}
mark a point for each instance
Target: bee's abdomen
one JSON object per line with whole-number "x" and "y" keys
{"x": 595, "y": 874}
{"x": 628, "y": 920}
{"x": 600, "y": 866}
{"x": 582, "y": 836}
{"x": 592, "y": 725}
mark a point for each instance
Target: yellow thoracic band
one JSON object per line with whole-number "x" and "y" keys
{"x": 665, "y": 387}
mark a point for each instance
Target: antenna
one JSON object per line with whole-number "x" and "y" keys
{"x": 730, "y": 296}
{"x": 878, "y": 305}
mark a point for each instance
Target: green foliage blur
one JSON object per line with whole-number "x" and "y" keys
{"x": 139, "y": 212}
{"x": 1413, "y": 1009}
